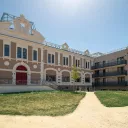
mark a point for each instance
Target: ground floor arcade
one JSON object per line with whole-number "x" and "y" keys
{"x": 22, "y": 75}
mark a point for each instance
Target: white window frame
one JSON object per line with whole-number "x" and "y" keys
{"x": 66, "y": 60}
{"x": 36, "y": 49}
{"x": 52, "y": 53}
{"x": 22, "y": 52}
{"x": 78, "y": 66}
{"x": 7, "y": 43}
{"x": 88, "y": 65}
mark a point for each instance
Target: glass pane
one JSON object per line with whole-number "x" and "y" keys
{"x": 63, "y": 60}
{"x": 34, "y": 55}
{"x": 52, "y": 58}
{"x": 19, "y": 52}
{"x": 76, "y": 63}
{"x": 88, "y": 65}
{"x": 49, "y": 58}
{"x": 67, "y": 61}
{"x": 24, "y": 53}
{"x": 6, "y": 50}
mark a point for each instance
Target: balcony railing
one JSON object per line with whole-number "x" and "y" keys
{"x": 113, "y": 63}
{"x": 116, "y": 73}
{"x": 114, "y": 83}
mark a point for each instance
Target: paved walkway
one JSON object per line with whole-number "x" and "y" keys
{"x": 89, "y": 114}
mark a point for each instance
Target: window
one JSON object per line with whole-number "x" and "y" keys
{"x": 24, "y": 53}
{"x": 6, "y": 50}
{"x": 97, "y": 64}
{"x": 120, "y": 69}
{"x": 19, "y": 52}
{"x": 87, "y": 78}
{"x": 88, "y": 65}
{"x": 97, "y": 81}
{"x": 97, "y": 72}
{"x": 121, "y": 79}
{"x": 77, "y": 63}
{"x": 120, "y": 59}
{"x": 104, "y": 81}
{"x": 65, "y": 79}
{"x": 104, "y": 72}
{"x": 50, "y": 77}
{"x": 65, "y": 61}
{"x": 78, "y": 80}
{"x": 34, "y": 55}
{"x": 104, "y": 63}
{"x": 50, "y": 58}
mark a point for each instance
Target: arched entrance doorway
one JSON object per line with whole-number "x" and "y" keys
{"x": 21, "y": 75}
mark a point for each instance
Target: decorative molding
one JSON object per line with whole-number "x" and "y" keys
{"x": 6, "y": 63}
{"x": 35, "y": 66}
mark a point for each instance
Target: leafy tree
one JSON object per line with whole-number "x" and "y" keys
{"x": 74, "y": 74}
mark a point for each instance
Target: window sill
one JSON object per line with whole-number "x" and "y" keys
{"x": 21, "y": 59}
{"x": 66, "y": 66}
{"x": 51, "y": 63}
{"x": 6, "y": 57}
{"x": 36, "y": 61}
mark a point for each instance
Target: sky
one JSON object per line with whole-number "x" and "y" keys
{"x": 96, "y": 25}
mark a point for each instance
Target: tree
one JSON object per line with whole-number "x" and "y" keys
{"x": 74, "y": 74}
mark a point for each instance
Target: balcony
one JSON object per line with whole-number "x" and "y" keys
{"x": 114, "y": 83}
{"x": 116, "y": 73}
{"x": 113, "y": 63}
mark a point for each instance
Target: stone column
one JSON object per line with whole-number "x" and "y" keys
{"x": 59, "y": 77}
{"x": 14, "y": 78}
{"x": 58, "y": 58}
{"x": 28, "y": 78}
{"x": 41, "y": 68}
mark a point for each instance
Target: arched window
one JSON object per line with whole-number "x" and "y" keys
{"x": 79, "y": 79}
{"x": 65, "y": 76}
{"x": 51, "y": 75}
{"x": 87, "y": 78}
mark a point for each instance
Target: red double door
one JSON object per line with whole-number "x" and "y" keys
{"x": 21, "y": 77}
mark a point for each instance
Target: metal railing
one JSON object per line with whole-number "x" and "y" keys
{"x": 5, "y": 81}
{"x": 116, "y": 73}
{"x": 114, "y": 83}
{"x": 50, "y": 83}
{"x": 112, "y": 63}
{"x": 35, "y": 82}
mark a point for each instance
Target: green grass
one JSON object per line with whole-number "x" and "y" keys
{"x": 113, "y": 98}
{"x": 40, "y": 103}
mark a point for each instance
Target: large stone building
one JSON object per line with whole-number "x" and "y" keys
{"x": 111, "y": 70}
{"x": 26, "y": 58}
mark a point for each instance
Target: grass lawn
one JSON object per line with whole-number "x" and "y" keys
{"x": 113, "y": 98}
{"x": 40, "y": 103}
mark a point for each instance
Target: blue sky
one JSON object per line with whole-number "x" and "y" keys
{"x": 97, "y": 25}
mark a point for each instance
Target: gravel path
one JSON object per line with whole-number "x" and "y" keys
{"x": 89, "y": 114}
